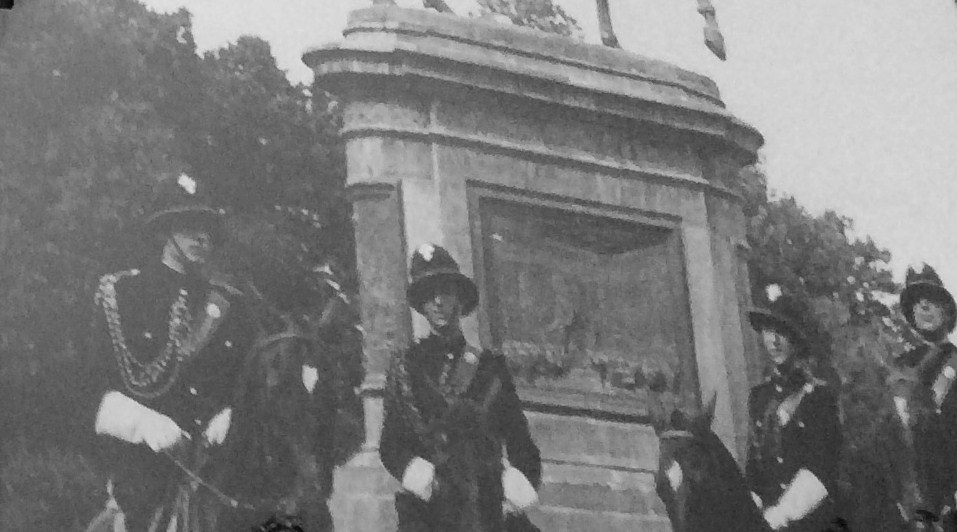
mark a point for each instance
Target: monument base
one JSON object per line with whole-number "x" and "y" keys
{"x": 598, "y": 475}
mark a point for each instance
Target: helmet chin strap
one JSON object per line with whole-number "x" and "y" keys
{"x": 190, "y": 268}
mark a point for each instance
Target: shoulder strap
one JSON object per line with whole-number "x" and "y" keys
{"x": 464, "y": 371}
{"x": 210, "y": 317}
{"x": 945, "y": 379}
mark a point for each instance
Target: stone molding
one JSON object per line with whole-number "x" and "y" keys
{"x": 388, "y": 45}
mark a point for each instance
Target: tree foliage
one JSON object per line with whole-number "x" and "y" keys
{"x": 101, "y": 100}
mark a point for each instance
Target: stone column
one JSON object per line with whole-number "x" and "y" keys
{"x": 586, "y": 189}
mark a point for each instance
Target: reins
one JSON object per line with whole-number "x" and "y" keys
{"x": 226, "y": 500}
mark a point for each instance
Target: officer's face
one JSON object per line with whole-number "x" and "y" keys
{"x": 194, "y": 244}
{"x": 778, "y": 346}
{"x": 928, "y": 315}
{"x": 443, "y": 309}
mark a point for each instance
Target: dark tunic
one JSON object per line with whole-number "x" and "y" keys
{"x": 189, "y": 389}
{"x": 811, "y": 439}
{"x": 416, "y": 404}
{"x": 934, "y": 428}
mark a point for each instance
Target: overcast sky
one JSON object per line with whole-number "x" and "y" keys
{"x": 856, "y": 98}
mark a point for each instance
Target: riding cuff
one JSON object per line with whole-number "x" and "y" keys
{"x": 125, "y": 419}
{"x": 518, "y": 491}
{"x": 418, "y": 477}
{"x": 218, "y": 427}
{"x": 805, "y": 493}
{"x": 310, "y": 376}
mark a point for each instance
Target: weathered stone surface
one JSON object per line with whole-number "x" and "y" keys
{"x": 558, "y": 519}
{"x": 582, "y": 440}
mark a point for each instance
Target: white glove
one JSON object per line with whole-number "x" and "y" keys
{"x": 775, "y": 518}
{"x": 418, "y": 478}
{"x": 310, "y": 376}
{"x": 218, "y": 427}
{"x": 802, "y": 496}
{"x": 519, "y": 492}
{"x": 125, "y": 419}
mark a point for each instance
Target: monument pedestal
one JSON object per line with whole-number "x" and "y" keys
{"x": 589, "y": 192}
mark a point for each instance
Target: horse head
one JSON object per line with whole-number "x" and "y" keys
{"x": 698, "y": 479}
{"x": 285, "y": 412}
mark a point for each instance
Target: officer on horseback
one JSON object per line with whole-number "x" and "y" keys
{"x": 926, "y": 406}
{"x": 166, "y": 349}
{"x": 450, "y": 411}
{"x": 793, "y": 461}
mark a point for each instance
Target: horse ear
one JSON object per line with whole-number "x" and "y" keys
{"x": 656, "y": 411}
{"x": 710, "y": 408}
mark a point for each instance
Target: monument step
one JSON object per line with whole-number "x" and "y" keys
{"x": 559, "y": 519}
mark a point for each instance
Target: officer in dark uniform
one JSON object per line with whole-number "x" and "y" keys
{"x": 167, "y": 345}
{"x": 446, "y": 399}
{"x": 796, "y": 440}
{"x": 926, "y": 405}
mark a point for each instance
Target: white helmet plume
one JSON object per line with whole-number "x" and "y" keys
{"x": 188, "y": 183}
{"x": 773, "y": 292}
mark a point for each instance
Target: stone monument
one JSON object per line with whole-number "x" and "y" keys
{"x": 589, "y": 191}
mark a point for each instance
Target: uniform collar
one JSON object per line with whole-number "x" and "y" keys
{"x": 443, "y": 344}
{"x": 787, "y": 379}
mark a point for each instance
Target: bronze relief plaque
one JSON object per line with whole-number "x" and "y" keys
{"x": 589, "y": 308}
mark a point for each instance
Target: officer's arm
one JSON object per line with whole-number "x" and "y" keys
{"x": 396, "y": 446}
{"x": 814, "y": 481}
{"x": 750, "y": 469}
{"x": 114, "y": 413}
{"x": 523, "y": 453}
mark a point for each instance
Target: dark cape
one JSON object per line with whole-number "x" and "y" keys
{"x": 423, "y": 418}
{"x": 811, "y": 439}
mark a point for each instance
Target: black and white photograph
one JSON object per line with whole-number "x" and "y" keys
{"x": 478, "y": 265}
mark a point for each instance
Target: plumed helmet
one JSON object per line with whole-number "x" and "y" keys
{"x": 432, "y": 267}
{"x": 789, "y": 315}
{"x": 926, "y": 284}
{"x": 179, "y": 202}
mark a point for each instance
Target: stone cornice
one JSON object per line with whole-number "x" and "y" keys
{"x": 415, "y": 46}
{"x": 631, "y": 169}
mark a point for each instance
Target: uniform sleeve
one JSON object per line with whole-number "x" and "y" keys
{"x": 751, "y": 468}
{"x": 329, "y": 418}
{"x": 824, "y": 434}
{"x": 398, "y": 444}
{"x": 523, "y": 453}
{"x": 94, "y": 379}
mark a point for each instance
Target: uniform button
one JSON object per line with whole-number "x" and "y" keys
{"x": 783, "y": 486}
{"x": 801, "y": 424}
{"x": 193, "y": 391}
{"x": 148, "y": 335}
{"x": 778, "y": 388}
{"x": 197, "y": 422}
{"x": 227, "y": 343}
{"x": 780, "y": 460}
{"x": 449, "y": 356}
{"x": 758, "y": 424}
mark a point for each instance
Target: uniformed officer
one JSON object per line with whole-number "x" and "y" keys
{"x": 167, "y": 345}
{"x": 928, "y": 407}
{"x": 793, "y": 462}
{"x": 440, "y": 389}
